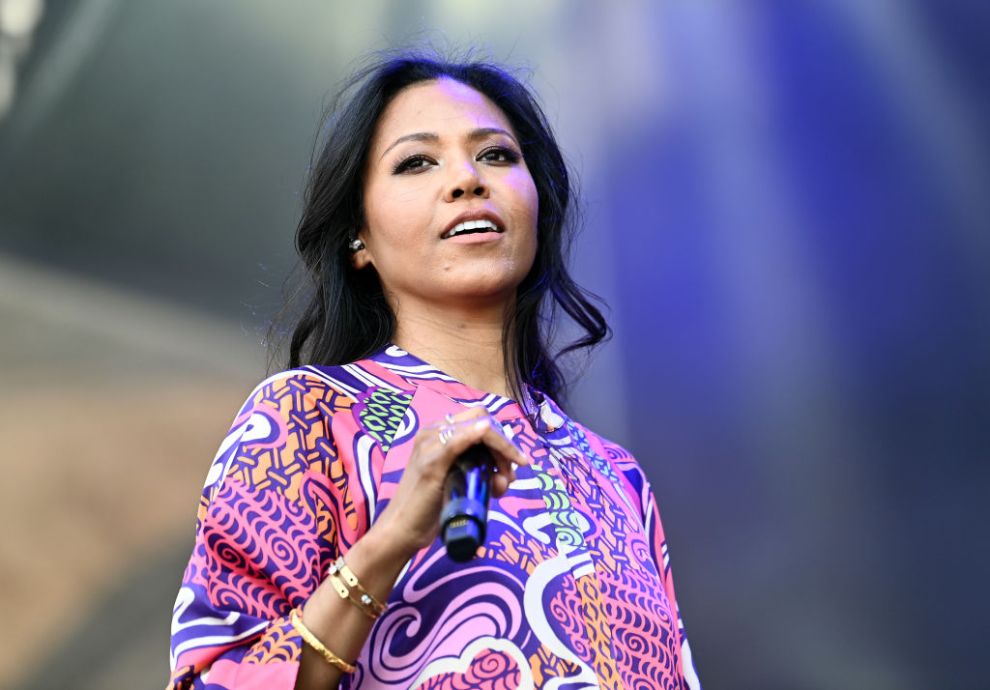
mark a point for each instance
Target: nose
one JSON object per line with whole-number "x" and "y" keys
{"x": 466, "y": 181}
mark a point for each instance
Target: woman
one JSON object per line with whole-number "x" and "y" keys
{"x": 434, "y": 232}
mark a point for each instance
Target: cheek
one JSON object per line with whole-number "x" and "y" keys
{"x": 412, "y": 196}
{"x": 397, "y": 215}
{"x": 526, "y": 198}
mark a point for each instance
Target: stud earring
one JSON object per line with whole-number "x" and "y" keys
{"x": 356, "y": 245}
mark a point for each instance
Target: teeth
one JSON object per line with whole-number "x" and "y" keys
{"x": 471, "y": 225}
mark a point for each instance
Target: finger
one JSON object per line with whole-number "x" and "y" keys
{"x": 462, "y": 434}
{"x": 500, "y": 484}
{"x": 505, "y": 457}
{"x": 504, "y": 466}
{"x": 480, "y": 428}
{"x": 496, "y": 439}
{"x": 487, "y": 431}
{"x": 452, "y": 420}
{"x": 466, "y": 415}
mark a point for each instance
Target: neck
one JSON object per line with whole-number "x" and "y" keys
{"x": 467, "y": 344}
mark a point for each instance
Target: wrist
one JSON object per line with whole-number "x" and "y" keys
{"x": 379, "y": 556}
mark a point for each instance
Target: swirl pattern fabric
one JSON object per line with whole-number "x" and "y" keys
{"x": 571, "y": 590}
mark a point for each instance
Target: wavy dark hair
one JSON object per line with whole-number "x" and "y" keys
{"x": 345, "y": 316}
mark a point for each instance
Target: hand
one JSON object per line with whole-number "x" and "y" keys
{"x": 411, "y": 520}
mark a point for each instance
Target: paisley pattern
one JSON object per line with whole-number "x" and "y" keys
{"x": 572, "y": 588}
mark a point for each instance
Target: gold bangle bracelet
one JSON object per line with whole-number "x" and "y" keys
{"x": 296, "y": 619}
{"x": 340, "y": 574}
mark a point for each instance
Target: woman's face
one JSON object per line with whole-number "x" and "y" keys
{"x": 442, "y": 154}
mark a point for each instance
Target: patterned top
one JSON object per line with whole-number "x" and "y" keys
{"x": 572, "y": 588}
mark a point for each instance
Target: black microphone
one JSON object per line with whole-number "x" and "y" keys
{"x": 465, "y": 513}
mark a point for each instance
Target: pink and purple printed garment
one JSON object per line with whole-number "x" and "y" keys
{"x": 572, "y": 588}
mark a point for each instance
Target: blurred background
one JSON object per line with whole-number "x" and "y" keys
{"x": 786, "y": 206}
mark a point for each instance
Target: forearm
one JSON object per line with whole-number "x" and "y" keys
{"x": 341, "y": 626}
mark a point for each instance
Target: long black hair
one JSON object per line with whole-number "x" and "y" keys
{"x": 346, "y": 316}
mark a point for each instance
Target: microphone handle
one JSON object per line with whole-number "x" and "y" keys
{"x": 465, "y": 513}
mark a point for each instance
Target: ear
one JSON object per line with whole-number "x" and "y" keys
{"x": 362, "y": 257}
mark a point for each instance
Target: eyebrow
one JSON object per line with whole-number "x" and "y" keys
{"x": 473, "y": 135}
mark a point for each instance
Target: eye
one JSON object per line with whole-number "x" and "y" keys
{"x": 499, "y": 154}
{"x": 413, "y": 164}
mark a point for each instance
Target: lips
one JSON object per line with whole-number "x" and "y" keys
{"x": 471, "y": 219}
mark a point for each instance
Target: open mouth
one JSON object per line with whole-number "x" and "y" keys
{"x": 472, "y": 227}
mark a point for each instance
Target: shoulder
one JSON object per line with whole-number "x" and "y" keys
{"x": 296, "y": 388}
{"x": 348, "y": 399}
{"x": 623, "y": 462}
{"x": 295, "y": 420}
{"x": 616, "y": 454}
{"x": 331, "y": 403}
{"x": 616, "y": 457}
{"x": 326, "y": 387}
